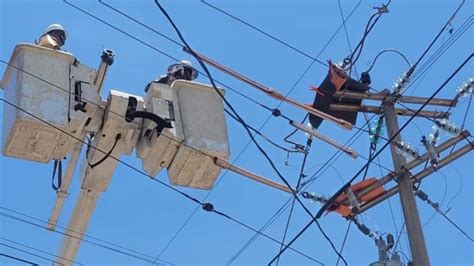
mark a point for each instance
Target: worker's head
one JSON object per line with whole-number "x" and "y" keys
{"x": 183, "y": 70}
{"x": 57, "y": 32}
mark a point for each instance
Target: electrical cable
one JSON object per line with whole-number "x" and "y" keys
{"x": 320, "y": 171}
{"x": 398, "y": 131}
{"x": 347, "y": 185}
{"x": 444, "y": 47}
{"x": 414, "y": 66}
{"x": 443, "y": 198}
{"x": 157, "y": 50}
{"x": 399, "y": 236}
{"x": 350, "y": 59}
{"x": 117, "y": 138}
{"x": 75, "y": 237}
{"x": 345, "y": 31}
{"x": 301, "y": 175}
{"x": 29, "y": 253}
{"x": 448, "y": 205}
{"x": 425, "y": 67}
{"x": 246, "y": 127}
{"x": 344, "y": 240}
{"x": 314, "y": 177}
{"x": 265, "y": 137}
{"x": 424, "y": 197}
{"x": 464, "y": 118}
{"x": 17, "y": 259}
{"x": 106, "y": 244}
{"x": 386, "y": 51}
{"x": 264, "y": 33}
{"x": 204, "y": 74}
{"x": 100, "y": 107}
{"x": 272, "y": 219}
{"x": 439, "y": 34}
{"x": 134, "y": 168}
{"x": 131, "y": 36}
{"x": 39, "y": 250}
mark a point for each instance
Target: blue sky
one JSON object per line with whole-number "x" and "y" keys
{"x": 143, "y": 216}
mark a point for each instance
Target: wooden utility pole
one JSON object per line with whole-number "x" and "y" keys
{"x": 407, "y": 197}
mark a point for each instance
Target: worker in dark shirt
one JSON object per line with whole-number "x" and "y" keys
{"x": 183, "y": 70}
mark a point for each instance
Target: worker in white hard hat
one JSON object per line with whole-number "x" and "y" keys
{"x": 182, "y": 70}
{"x": 54, "y": 37}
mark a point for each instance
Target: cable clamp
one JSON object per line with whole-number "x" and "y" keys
{"x": 207, "y": 207}
{"x": 381, "y": 10}
{"x": 276, "y": 112}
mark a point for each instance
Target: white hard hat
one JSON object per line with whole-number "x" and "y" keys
{"x": 186, "y": 62}
{"x": 184, "y": 67}
{"x": 56, "y": 27}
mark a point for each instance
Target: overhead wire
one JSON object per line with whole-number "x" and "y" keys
{"x": 405, "y": 124}
{"x": 29, "y": 253}
{"x": 39, "y": 250}
{"x": 426, "y": 66}
{"x": 88, "y": 238}
{"x": 386, "y": 51}
{"x": 343, "y": 188}
{"x": 448, "y": 204}
{"x": 264, "y": 33}
{"x": 345, "y": 31}
{"x": 18, "y": 259}
{"x": 464, "y": 118}
{"x": 320, "y": 171}
{"x": 443, "y": 198}
{"x": 349, "y": 60}
{"x": 153, "y": 49}
{"x": 438, "y": 35}
{"x": 78, "y": 238}
{"x": 372, "y": 146}
{"x": 344, "y": 240}
{"x": 205, "y": 74}
{"x": 300, "y": 177}
{"x": 436, "y": 206}
{"x": 262, "y": 151}
{"x": 142, "y": 173}
{"x": 158, "y": 50}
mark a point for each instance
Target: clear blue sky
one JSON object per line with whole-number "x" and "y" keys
{"x": 143, "y": 216}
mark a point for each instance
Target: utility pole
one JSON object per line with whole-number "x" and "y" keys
{"x": 407, "y": 197}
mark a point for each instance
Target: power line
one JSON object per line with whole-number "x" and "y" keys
{"x": 262, "y": 151}
{"x": 325, "y": 166}
{"x": 107, "y": 245}
{"x": 17, "y": 259}
{"x": 39, "y": 250}
{"x": 424, "y": 197}
{"x": 157, "y": 50}
{"x": 264, "y": 33}
{"x": 79, "y": 238}
{"x": 264, "y": 123}
{"x": 439, "y": 34}
{"x": 345, "y": 30}
{"x": 29, "y": 253}
{"x": 142, "y": 43}
{"x": 145, "y": 174}
{"x": 301, "y": 175}
{"x": 343, "y": 188}
{"x": 344, "y": 240}
{"x": 425, "y": 67}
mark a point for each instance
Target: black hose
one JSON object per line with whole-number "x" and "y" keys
{"x": 160, "y": 122}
